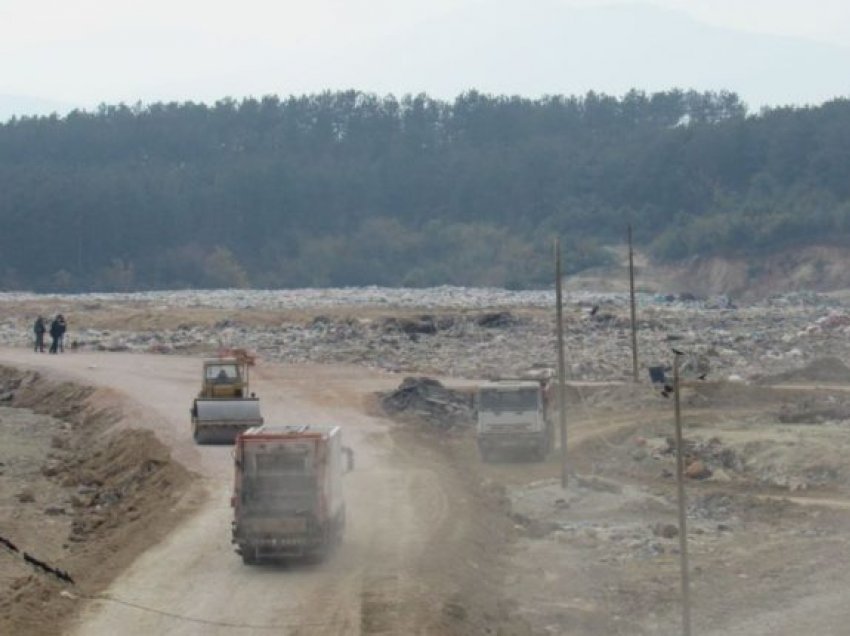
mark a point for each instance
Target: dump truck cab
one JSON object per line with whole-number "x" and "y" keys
{"x": 513, "y": 419}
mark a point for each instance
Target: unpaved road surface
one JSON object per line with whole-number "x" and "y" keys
{"x": 405, "y": 517}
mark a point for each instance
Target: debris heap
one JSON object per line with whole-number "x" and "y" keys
{"x": 428, "y": 400}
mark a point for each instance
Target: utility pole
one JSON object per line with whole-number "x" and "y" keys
{"x": 632, "y": 306}
{"x": 561, "y": 365}
{"x": 680, "y": 484}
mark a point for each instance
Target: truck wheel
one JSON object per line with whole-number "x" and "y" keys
{"x": 249, "y": 556}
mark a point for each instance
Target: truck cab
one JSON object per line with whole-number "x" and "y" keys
{"x": 513, "y": 419}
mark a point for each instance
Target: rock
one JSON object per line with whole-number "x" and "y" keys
{"x": 455, "y": 611}
{"x": 719, "y": 475}
{"x": 638, "y": 454}
{"x": 422, "y": 325}
{"x": 495, "y": 320}
{"x": 25, "y": 496}
{"x": 57, "y": 441}
{"x": 666, "y": 530}
{"x": 599, "y": 484}
{"x": 54, "y": 510}
{"x": 697, "y": 470}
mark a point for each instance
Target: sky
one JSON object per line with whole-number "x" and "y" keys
{"x": 80, "y": 53}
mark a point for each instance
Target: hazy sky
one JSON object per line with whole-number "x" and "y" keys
{"x": 83, "y": 52}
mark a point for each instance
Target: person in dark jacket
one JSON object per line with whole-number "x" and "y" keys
{"x": 56, "y": 330}
{"x": 39, "y": 329}
{"x": 62, "y": 328}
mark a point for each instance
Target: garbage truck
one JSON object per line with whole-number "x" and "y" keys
{"x": 287, "y": 497}
{"x": 513, "y": 418}
{"x": 224, "y": 407}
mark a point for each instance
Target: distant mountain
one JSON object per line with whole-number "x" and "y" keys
{"x": 542, "y": 47}
{"x": 20, "y": 105}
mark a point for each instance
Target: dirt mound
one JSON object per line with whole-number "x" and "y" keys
{"x": 830, "y": 370}
{"x": 429, "y": 401}
{"x": 88, "y": 498}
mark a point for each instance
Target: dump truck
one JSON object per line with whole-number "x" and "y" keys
{"x": 513, "y": 418}
{"x": 287, "y": 498}
{"x": 224, "y": 406}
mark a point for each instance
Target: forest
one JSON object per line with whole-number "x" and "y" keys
{"x": 351, "y": 188}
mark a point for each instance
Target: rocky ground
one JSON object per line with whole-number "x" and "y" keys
{"x": 765, "y": 431}
{"x": 458, "y": 332}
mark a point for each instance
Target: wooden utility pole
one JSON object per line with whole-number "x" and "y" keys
{"x": 632, "y": 306}
{"x": 561, "y": 365}
{"x": 680, "y": 484}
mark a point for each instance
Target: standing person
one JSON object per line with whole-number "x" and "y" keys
{"x": 62, "y": 328}
{"x": 39, "y": 329}
{"x": 55, "y": 333}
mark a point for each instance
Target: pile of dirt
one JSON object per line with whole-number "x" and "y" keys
{"x": 427, "y": 400}
{"x": 91, "y": 496}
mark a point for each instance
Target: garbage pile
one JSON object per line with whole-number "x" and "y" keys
{"x": 459, "y": 332}
{"x": 429, "y": 401}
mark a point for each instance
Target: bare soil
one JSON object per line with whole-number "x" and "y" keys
{"x": 768, "y": 511}
{"x": 438, "y": 542}
{"x": 79, "y": 491}
{"x": 423, "y": 552}
{"x": 767, "y": 521}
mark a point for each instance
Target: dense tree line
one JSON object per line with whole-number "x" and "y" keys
{"x": 350, "y": 188}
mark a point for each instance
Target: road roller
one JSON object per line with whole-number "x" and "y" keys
{"x": 224, "y": 407}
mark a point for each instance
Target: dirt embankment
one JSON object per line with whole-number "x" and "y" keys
{"x": 80, "y": 492}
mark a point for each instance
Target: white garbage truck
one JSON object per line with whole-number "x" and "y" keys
{"x": 513, "y": 419}
{"x": 287, "y": 497}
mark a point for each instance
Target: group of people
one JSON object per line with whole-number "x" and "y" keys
{"x": 57, "y": 334}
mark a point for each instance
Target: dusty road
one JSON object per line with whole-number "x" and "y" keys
{"x": 383, "y": 579}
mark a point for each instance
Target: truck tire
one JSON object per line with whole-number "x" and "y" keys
{"x": 249, "y": 556}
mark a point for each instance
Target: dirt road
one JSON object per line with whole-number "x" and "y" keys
{"x": 405, "y": 516}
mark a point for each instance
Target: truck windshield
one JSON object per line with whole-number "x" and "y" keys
{"x": 519, "y": 400}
